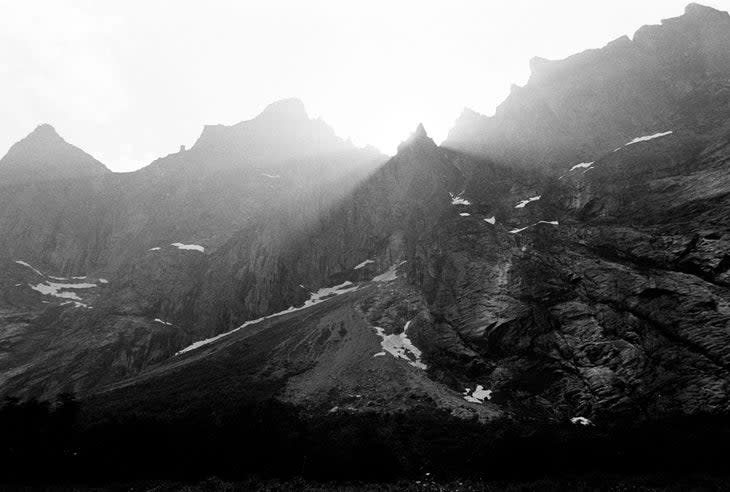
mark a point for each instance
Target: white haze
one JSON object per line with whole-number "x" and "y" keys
{"x": 131, "y": 80}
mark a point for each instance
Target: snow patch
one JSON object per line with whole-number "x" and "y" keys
{"x": 363, "y": 264}
{"x": 549, "y": 222}
{"x": 581, "y": 420}
{"x": 400, "y": 347}
{"x": 270, "y": 176}
{"x": 479, "y": 394}
{"x": 103, "y": 281}
{"x": 647, "y": 138}
{"x": 525, "y": 202}
{"x": 457, "y": 200}
{"x": 491, "y": 220}
{"x": 191, "y": 247}
{"x": 389, "y": 275}
{"x": 60, "y": 290}
{"x": 21, "y": 262}
{"x": 156, "y": 248}
{"x": 158, "y": 320}
{"x": 464, "y": 214}
{"x": 582, "y": 165}
{"x": 321, "y": 295}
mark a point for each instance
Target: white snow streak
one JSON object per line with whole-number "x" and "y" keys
{"x": 271, "y": 176}
{"x": 191, "y": 247}
{"x": 581, "y": 421}
{"x": 158, "y": 320}
{"x": 548, "y": 222}
{"x": 491, "y": 220}
{"x": 647, "y": 137}
{"x": 317, "y": 297}
{"x": 464, "y": 214}
{"x": 525, "y": 202}
{"x": 581, "y": 166}
{"x": 156, "y": 248}
{"x": 21, "y": 262}
{"x": 363, "y": 264}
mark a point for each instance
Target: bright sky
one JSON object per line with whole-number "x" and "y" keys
{"x": 131, "y": 80}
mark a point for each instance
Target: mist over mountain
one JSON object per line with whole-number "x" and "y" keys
{"x": 546, "y": 292}
{"x": 669, "y": 76}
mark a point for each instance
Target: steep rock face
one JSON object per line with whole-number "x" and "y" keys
{"x": 616, "y": 305}
{"x": 604, "y": 298}
{"x": 669, "y": 77}
{"x": 123, "y": 227}
{"x": 278, "y": 263}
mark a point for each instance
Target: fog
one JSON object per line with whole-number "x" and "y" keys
{"x": 130, "y": 81}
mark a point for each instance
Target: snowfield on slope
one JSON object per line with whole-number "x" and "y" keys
{"x": 317, "y": 297}
{"x": 60, "y": 290}
{"x": 389, "y": 275}
{"x": 479, "y": 394}
{"x": 457, "y": 200}
{"x": 400, "y": 347}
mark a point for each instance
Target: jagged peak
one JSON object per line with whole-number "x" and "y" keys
{"x": 418, "y": 137}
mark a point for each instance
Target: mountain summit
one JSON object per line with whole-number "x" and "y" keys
{"x": 44, "y": 155}
{"x": 281, "y": 132}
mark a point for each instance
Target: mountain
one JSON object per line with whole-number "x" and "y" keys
{"x": 548, "y": 290}
{"x": 668, "y": 77}
{"x": 123, "y": 227}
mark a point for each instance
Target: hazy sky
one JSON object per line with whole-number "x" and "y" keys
{"x": 131, "y": 80}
